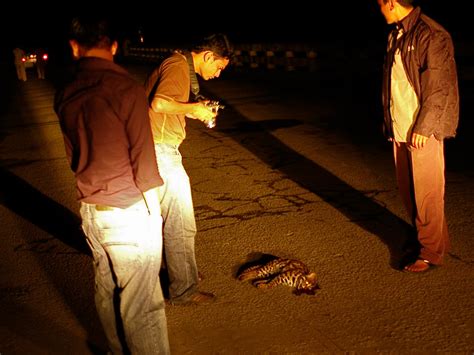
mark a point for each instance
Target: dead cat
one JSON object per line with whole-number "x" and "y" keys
{"x": 279, "y": 271}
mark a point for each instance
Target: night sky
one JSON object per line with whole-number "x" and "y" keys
{"x": 244, "y": 21}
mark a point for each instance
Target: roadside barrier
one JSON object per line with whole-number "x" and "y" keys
{"x": 147, "y": 54}
{"x": 246, "y": 57}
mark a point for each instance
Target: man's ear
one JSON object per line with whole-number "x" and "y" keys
{"x": 208, "y": 55}
{"x": 75, "y": 49}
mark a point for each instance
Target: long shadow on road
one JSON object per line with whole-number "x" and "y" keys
{"x": 353, "y": 110}
{"x": 356, "y": 205}
{"x": 63, "y": 225}
{"x": 53, "y": 218}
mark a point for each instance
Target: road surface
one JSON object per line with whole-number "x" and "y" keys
{"x": 296, "y": 167}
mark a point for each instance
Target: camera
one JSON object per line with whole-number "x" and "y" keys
{"x": 215, "y": 106}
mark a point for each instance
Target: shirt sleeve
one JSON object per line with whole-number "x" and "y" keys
{"x": 174, "y": 81}
{"x": 142, "y": 152}
{"x": 436, "y": 77}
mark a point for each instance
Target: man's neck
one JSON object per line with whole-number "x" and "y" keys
{"x": 99, "y": 53}
{"x": 197, "y": 60}
{"x": 403, "y": 12}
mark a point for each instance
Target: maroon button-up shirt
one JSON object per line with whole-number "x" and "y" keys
{"x": 103, "y": 114}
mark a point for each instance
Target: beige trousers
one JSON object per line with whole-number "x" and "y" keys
{"x": 420, "y": 177}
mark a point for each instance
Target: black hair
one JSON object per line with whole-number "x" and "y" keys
{"x": 404, "y": 3}
{"x": 217, "y": 43}
{"x": 93, "y": 32}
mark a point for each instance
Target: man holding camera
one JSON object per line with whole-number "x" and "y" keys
{"x": 168, "y": 88}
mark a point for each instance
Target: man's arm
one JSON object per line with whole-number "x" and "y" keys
{"x": 152, "y": 200}
{"x": 141, "y": 151}
{"x": 196, "y": 110}
{"x": 435, "y": 77}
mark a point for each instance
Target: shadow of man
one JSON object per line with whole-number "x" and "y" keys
{"x": 61, "y": 224}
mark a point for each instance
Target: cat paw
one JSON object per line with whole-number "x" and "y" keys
{"x": 260, "y": 284}
{"x": 247, "y": 276}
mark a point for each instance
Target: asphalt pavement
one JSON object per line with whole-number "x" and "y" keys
{"x": 296, "y": 167}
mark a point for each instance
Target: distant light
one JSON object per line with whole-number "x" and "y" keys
{"x": 45, "y": 56}
{"x": 141, "y": 36}
{"x": 23, "y": 59}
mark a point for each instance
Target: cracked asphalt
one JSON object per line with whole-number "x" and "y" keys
{"x": 296, "y": 167}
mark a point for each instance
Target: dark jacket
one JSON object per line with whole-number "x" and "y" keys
{"x": 428, "y": 58}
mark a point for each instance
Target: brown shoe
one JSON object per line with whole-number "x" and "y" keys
{"x": 197, "y": 298}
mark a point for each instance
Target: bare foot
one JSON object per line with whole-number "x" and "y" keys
{"x": 419, "y": 265}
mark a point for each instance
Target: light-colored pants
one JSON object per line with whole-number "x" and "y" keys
{"x": 420, "y": 176}
{"x": 126, "y": 245}
{"x": 20, "y": 71}
{"x": 179, "y": 224}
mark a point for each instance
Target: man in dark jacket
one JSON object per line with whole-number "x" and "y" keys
{"x": 103, "y": 114}
{"x": 421, "y": 109}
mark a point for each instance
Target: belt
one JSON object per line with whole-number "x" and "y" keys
{"x": 104, "y": 208}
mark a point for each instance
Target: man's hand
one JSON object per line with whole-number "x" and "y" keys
{"x": 202, "y": 112}
{"x": 418, "y": 141}
{"x": 152, "y": 201}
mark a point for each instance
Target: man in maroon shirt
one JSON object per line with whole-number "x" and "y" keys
{"x": 103, "y": 114}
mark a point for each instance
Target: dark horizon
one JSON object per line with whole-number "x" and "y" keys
{"x": 246, "y": 22}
